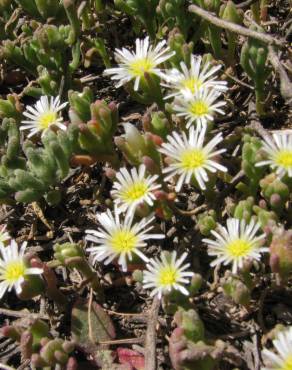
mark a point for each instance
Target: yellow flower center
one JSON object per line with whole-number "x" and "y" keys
{"x": 167, "y": 276}
{"x": 14, "y": 271}
{"x": 135, "y": 191}
{"x": 124, "y": 241}
{"x": 192, "y": 159}
{"x": 287, "y": 364}
{"x": 138, "y": 67}
{"x": 284, "y": 158}
{"x": 199, "y": 108}
{"x": 239, "y": 248}
{"x": 47, "y": 119}
{"x": 192, "y": 84}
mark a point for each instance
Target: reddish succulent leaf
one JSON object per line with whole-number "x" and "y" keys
{"x": 128, "y": 356}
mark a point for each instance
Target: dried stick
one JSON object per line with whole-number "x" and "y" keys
{"x": 123, "y": 341}
{"x": 255, "y": 123}
{"x": 22, "y": 314}
{"x": 246, "y": 3}
{"x": 89, "y": 316}
{"x": 285, "y": 83}
{"x": 233, "y": 27}
{"x": 6, "y": 367}
{"x": 150, "y": 338}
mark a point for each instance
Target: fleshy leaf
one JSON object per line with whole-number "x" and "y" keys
{"x": 128, "y": 356}
{"x": 102, "y": 328}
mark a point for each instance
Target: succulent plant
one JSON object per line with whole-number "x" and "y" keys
{"x": 253, "y": 60}
{"x": 187, "y": 347}
{"x": 35, "y": 175}
{"x": 37, "y": 345}
{"x": 251, "y": 155}
{"x": 72, "y": 256}
{"x": 275, "y": 191}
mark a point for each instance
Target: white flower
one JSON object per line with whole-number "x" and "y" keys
{"x": 43, "y": 115}
{"x": 118, "y": 238}
{"x": 167, "y": 274}
{"x": 190, "y": 157}
{"x": 133, "y": 65}
{"x": 282, "y": 360}
{"x": 13, "y": 268}
{"x": 4, "y": 235}
{"x": 191, "y": 80}
{"x": 279, "y": 151}
{"x": 134, "y": 188}
{"x": 199, "y": 107}
{"x": 236, "y": 243}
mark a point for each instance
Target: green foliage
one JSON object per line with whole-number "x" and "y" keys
{"x": 87, "y": 336}
{"x": 183, "y": 49}
{"x": 207, "y": 222}
{"x": 187, "y": 347}
{"x": 230, "y": 13}
{"x": 37, "y": 345}
{"x": 138, "y": 148}
{"x": 174, "y": 15}
{"x": 29, "y": 171}
{"x": 157, "y": 123}
{"x": 41, "y": 8}
{"x": 49, "y": 45}
{"x": 251, "y": 155}
{"x": 253, "y": 60}
{"x": 53, "y": 352}
{"x": 80, "y": 105}
{"x": 196, "y": 284}
{"x": 42, "y": 168}
{"x": 36, "y": 327}
{"x": 10, "y": 108}
{"x": 244, "y": 209}
{"x": 264, "y": 216}
{"x": 47, "y": 54}
{"x": 144, "y": 11}
{"x": 72, "y": 256}
{"x": 275, "y": 192}
{"x": 95, "y": 136}
{"x": 191, "y": 323}
{"x": 236, "y": 289}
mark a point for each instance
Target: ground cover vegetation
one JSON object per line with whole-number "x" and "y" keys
{"x": 145, "y": 184}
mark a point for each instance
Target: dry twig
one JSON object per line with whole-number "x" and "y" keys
{"x": 123, "y": 341}
{"x": 22, "y": 314}
{"x": 245, "y": 4}
{"x": 150, "y": 339}
{"x": 255, "y": 123}
{"x": 233, "y": 27}
{"x": 89, "y": 316}
{"x": 285, "y": 83}
{"x": 6, "y": 367}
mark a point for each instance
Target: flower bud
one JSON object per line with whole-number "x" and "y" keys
{"x": 150, "y": 164}
{"x": 196, "y": 284}
{"x": 67, "y": 250}
{"x": 138, "y": 276}
{"x": 11, "y": 331}
{"x": 60, "y": 357}
{"x": 110, "y": 173}
{"x": 134, "y": 139}
{"x": 160, "y": 195}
